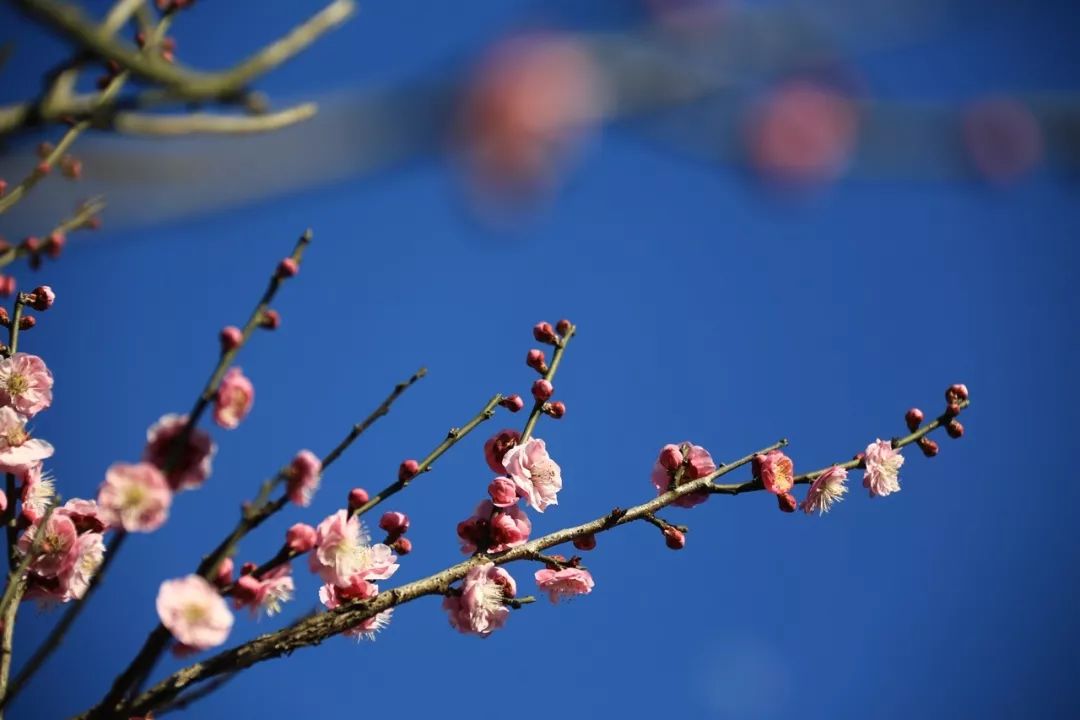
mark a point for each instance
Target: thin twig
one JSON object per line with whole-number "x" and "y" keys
{"x": 556, "y": 358}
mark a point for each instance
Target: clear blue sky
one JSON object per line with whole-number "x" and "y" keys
{"x": 708, "y": 311}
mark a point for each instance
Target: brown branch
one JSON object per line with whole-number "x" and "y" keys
{"x": 320, "y": 627}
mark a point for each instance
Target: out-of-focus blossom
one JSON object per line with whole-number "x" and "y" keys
{"x": 266, "y": 593}
{"x": 58, "y": 549}
{"x": 304, "y": 474}
{"x": 189, "y": 467}
{"x": 18, "y": 451}
{"x": 87, "y": 515}
{"x": 135, "y": 497}
{"x": 25, "y": 384}
{"x": 194, "y": 612}
{"x": 38, "y": 489}
{"x": 234, "y": 399}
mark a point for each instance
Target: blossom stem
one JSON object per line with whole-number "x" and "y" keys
{"x": 806, "y": 478}
{"x": 538, "y": 406}
{"x": 314, "y": 630}
{"x": 83, "y": 217}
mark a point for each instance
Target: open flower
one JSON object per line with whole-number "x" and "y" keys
{"x": 829, "y": 487}
{"x": 537, "y": 477}
{"x": 303, "y": 477}
{"x": 776, "y": 471}
{"x": 135, "y": 497}
{"x": 90, "y": 552}
{"x": 25, "y": 384}
{"x": 342, "y": 552}
{"x": 481, "y": 608}
{"x": 185, "y": 468}
{"x": 37, "y": 492}
{"x": 882, "y": 475}
{"x": 193, "y": 612}
{"x": 568, "y": 582}
{"x": 86, "y": 514}
{"x": 266, "y": 593}
{"x": 234, "y": 399}
{"x": 58, "y": 549}
{"x": 697, "y": 462}
{"x": 18, "y": 451}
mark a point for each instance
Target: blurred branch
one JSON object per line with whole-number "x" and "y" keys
{"x": 132, "y": 123}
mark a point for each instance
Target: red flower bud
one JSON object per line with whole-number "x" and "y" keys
{"x": 271, "y": 320}
{"x": 536, "y": 360}
{"x": 563, "y": 326}
{"x": 27, "y": 321}
{"x": 54, "y": 244}
{"x": 585, "y": 542}
{"x": 787, "y": 502}
{"x": 556, "y": 409}
{"x": 952, "y": 410}
{"x": 674, "y": 538}
{"x": 287, "y": 268}
{"x": 929, "y": 447}
{"x": 513, "y": 403}
{"x": 914, "y": 418}
{"x": 954, "y": 429}
{"x": 402, "y": 546}
{"x": 542, "y": 389}
{"x": 223, "y": 576}
{"x": 7, "y": 285}
{"x": 407, "y": 470}
{"x": 956, "y": 393}
{"x": 42, "y": 298}
{"x": 394, "y": 523}
{"x": 300, "y": 538}
{"x": 358, "y": 497}
{"x": 543, "y": 332}
{"x": 671, "y": 457}
{"x": 231, "y": 337}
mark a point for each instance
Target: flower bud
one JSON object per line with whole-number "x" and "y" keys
{"x": 300, "y": 538}
{"x": 43, "y": 168}
{"x": 27, "y": 321}
{"x": 787, "y": 502}
{"x": 929, "y": 447}
{"x": 585, "y": 542}
{"x": 358, "y": 497}
{"x": 956, "y": 393}
{"x": 952, "y": 410}
{"x": 402, "y": 546}
{"x": 223, "y": 575}
{"x": 4, "y": 319}
{"x": 503, "y": 492}
{"x": 955, "y": 429}
{"x": 536, "y": 360}
{"x": 408, "y": 469}
{"x": 54, "y": 244}
{"x": 7, "y": 285}
{"x": 914, "y": 418}
{"x": 245, "y": 590}
{"x": 513, "y": 403}
{"x": 544, "y": 333}
{"x": 563, "y": 326}
{"x": 231, "y": 337}
{"x": 42, "y": 298}
{"x": 674, "y": 538}
{"x": 671, "y": 457}
{"x": 556, "y": 409}
{"x": 31, "y": 243}
{"x": 271, "y": 320}
{"x": 287, "y": 268}
{"x": 542, "y": 389}
{"x": 394, "y": 523}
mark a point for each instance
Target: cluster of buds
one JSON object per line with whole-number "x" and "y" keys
{"x": 542, "y": 389}
{"x": 396, "y": 524}
{"x": 956, "y": 397}
{"x": 41, "y": 299}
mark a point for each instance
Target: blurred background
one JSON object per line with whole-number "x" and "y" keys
{"x": 766, "y": 218}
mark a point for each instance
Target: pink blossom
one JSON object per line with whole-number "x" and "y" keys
{"x": 3, "y": 501}
{"x": 266, "y": 593}
{"x": 234, "y": 399}
{"x": 194, "y": 612}
{"x": 303, "y": 477}
{"x": 300, "y": 538}
{"x": 343, "y": 553}
{"x": 828, "y": 488}
{"x": 192, "y": 464}
{"x": 25, "y": 384}
{"x": 333, "y": 597}
{"x": 564, "y": 583}
{"x": 494, "y": 530}
{"x": 537, "y": 476}
{"x": 697, "y": 463}
{"x": 882, "y": 475}
{"x": 18, "y": 451}
{"x": 36, "y": 493}
{"x": 135, "y": 497}
{"x": 58, "y": 549}
{"x": 503, "y": 492}
{"x": 775, "y": 470}
{"x": 90, "y": 552}
{"x": 480, "y": 608}
{"x": 86, "y": 514}
{"x": 497, "y": 446}
{"x": 394, "y": 523}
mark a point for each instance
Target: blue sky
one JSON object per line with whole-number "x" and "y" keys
{"x": 708, "y": 310}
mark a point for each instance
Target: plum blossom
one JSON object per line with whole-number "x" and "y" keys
{"x": 503, "y": 492}
{"x": 25, "y": 384}
{"x": 135, "y": 497}
{"x": 303, "y": 477}
{"x": 266, "y": 593}
{"x": 90, "y": 552}
{"x": 18, "y": 451}
{"x": 497, "y": 446}
{"x": 194, "y": 612}
{"x": 776, "y": 471}
{"x": 333, "y": 597}
{"x": 882, "y": 473}
{"x": 343, "y": 552}
{"x": 192, "y": 464}
{"x": 493, "y": 529}
{"x": 481, "y": 608}
{"x": 829, "y": 487}
{"x": 58, "y": 549}
{"x": 537, "y": 477}
{"x": 697, "y": 463}
{"x": 86, "y": 514}
{"x": 234, "y": 399}
{"x": 38, "y": 489}
{"x": 567, "y": 582}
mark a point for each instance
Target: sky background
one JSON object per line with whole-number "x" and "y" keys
{"x": 709, "y": 309}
